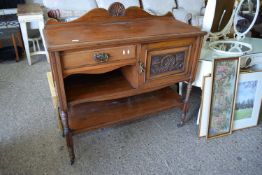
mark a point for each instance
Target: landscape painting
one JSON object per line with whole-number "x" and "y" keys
{"x": 248, "y": 100}
{"x": 245, "y": 99}
{"x": 225, "y": 76}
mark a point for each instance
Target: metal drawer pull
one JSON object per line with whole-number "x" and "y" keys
{"x": 101, "y": 57}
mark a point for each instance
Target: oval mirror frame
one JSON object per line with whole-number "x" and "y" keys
{"x": 237, "y": 45}
{"x": 238, "y": 35}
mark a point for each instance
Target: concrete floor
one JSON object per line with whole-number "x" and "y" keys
{"x": 31, "y": 144}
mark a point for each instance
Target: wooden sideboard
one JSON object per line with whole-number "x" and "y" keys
{"x": 117, "y": 65}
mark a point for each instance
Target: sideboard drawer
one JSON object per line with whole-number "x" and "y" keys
{"x": 83, "y": 58}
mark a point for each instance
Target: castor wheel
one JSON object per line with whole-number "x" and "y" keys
{"x": 72, "y": 161}
{"x": 181, "y": 124}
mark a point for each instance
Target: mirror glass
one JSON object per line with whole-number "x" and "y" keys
{"x": 230, "y": 47}
{"x": 245, "y": 16}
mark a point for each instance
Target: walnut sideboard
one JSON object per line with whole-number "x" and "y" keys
{"x": 117, "y": 65}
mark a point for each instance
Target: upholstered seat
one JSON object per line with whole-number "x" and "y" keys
{"x": 160, "y": 7}
{"x": 196, "y": 8}
{"x": 69, "y": 8}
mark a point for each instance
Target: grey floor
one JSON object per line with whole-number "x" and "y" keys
{"x": 31, "y": 144}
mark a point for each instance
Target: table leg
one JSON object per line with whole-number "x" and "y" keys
{"x": 67, "y": 133}
{"x": 15, "y": 47}
{"x": 185, "y": 107}
{"x": 19, "y": 39}
{"x": 41, "y": 28}
{"x": 180, "y": 88}
{"x": 26, "y": 44}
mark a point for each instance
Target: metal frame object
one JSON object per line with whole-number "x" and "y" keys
{"x": 236, "y": 43}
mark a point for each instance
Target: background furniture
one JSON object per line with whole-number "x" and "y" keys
{"x": 16, "y": 48}
{"x": 242, "y": 20}
{"x": 10, "y": 38}
{"x": 63, "y": 10}
{"x": 67, "y": 10}
{"x": 124, "y": 71}
{"x": 196, "y": 8}
{"x": 7, "y": 4}
{"x": 159, "y": 8}
{"x": 31, "y": 13}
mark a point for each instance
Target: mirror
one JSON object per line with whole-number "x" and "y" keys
{"x": 233, "y": 48}
{"x": 245, "y": 17}
{"x": 221, "y": 15}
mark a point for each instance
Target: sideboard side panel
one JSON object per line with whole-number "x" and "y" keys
{"x": 58, "y": 79}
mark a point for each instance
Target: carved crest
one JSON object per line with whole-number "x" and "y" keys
{"x": 116, "y": 9}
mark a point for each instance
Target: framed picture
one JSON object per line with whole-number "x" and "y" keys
{"x": 205, "y": 106}
{"x": 248, "y": 100}
{"x": 224, "y": 87}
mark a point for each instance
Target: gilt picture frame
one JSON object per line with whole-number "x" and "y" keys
{"x": 223, "y": 93}
{"x": 248, "y": 100}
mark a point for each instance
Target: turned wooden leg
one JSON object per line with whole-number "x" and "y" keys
{"x": 185, "y": 107}
{"x": 15, "y": 47}
{"x": 68, "y": 136}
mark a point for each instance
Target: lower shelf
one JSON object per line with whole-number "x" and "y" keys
{"x": 95, "y": 115}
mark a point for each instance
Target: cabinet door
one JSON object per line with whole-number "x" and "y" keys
{"x": 168, "y": 62}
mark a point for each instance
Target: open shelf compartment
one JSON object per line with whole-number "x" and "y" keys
{"x": 83, "y": 88}
{"x": 92, "y": 115}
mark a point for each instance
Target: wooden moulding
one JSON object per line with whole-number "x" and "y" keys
{"x": 100, "y": 14}
{"x": 88, "y": 116}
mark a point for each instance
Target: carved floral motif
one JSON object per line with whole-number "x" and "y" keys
{"x": 167, "y": 63}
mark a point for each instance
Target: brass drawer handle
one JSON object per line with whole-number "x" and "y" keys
{"x": 101, "y": 57}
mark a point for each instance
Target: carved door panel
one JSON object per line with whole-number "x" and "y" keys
{"x": 168, "y": 62}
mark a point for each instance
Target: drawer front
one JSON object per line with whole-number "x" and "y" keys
{"x": 77, "y": 59}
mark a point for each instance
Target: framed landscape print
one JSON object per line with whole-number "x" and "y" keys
{"x": 205, "y": 106}
{"x": 248, "y": 100}
{"x": 223, "y": 93}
